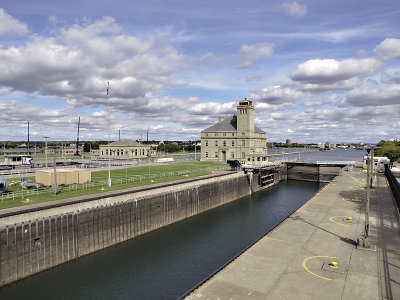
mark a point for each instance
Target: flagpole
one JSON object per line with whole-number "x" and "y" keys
{"x": 108, "y": 118}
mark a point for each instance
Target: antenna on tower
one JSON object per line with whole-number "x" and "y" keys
{"x": 77, "y": 139}
{"x": 28, "y": 139}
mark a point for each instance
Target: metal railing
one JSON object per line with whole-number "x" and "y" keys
{"x": 28, "y": 193}
{"x": 394, "y": 185}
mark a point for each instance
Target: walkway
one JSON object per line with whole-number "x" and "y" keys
{"x": 294, "y": 260}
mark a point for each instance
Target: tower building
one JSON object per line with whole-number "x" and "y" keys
{"x": 235, "y": 138}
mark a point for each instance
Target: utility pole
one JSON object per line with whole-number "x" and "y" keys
{"x": 77, "y": 139}
{"x": 363, "y": 242}
{"x": 55, "y": 186}
{"x": 46, "y": 137}
{"x": 108, "y": 118}
{"x": 28, "y": 138}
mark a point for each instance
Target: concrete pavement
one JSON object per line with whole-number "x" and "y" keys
{"x": 294, "y": 260}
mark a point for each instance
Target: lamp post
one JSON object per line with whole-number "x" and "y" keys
{"x": 367, "y": 230}
{"x": 46, "y": 137}
{"x": 108, "y": 119}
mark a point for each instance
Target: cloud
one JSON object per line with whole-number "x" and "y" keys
{"x": 361, "y": 53}
{"x": 389, "y": 49}
{"x": 9, "y": 25}
{"x": 77, "y": 62}
{"x": 276, "y": 95}
{"x": 213, "y": 109}
{"x": 391, "y": 78}
{"x": 343, "y": 85}
{"x": 255, "y": 52}
{"x": 327, "y": 100}
{"x": 374, "y": 96}
{"x": 327, "y": 71}
{"x": 295, "y": 8}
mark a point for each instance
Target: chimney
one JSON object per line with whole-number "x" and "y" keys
{"x": 219, "y": 119}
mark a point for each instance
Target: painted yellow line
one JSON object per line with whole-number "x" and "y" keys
{"x": 305, "y": 266}
{"x": 331, "y": 219}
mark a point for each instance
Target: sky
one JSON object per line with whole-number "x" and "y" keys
{"x": 316, "y": 71}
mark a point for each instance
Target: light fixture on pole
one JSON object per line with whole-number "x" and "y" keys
{"x": 363, "y": 242}
{"x": 46, "y": 137}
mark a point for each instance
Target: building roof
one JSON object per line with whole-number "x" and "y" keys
{"x": 229, "y": 124}
{"x": 125, "y": 143}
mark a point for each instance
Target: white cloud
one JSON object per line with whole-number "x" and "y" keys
{"x": 76, "y": 63}
{"x": 343, "y": 85}
{"x": 326, "y": 71}
{"x": 213, "y": 108}
{"x": 9, "y": 25}
{"x": 375, "y": 96}
{"x": 276, "y": 95}
{"x": 255, "y": 52}
{"x": 361, "y": 53}
{"x": 389, "y": 49}
{"x": 295, "y": 8}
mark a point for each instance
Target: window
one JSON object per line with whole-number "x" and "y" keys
{"x": 243, "y": 143}
{"x": 216, "y": 153}
{"x": 232, "y": 154}
{"x": 206, "y": 134}
{"x": 224, "y": 143}
{"x": 233, "y": 134}
{"x": 206, "y": 143}
{"x": 233, "y": 143}
{"x": 206, "y": 154}
{"x": 216, "y": 134}
{"x": 216, "y": 143}
{"x": 224, "y": 134}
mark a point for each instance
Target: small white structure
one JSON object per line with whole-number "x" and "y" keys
{"x": 378, "y": 163}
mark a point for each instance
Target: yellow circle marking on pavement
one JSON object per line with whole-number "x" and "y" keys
{"x": 331, "y": 219}
{"x": 305, "y": 265}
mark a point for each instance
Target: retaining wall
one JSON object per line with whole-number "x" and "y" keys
{"x": 35, "y": 241}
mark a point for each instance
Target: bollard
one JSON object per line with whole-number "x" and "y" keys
{"x": 333, "y": 265}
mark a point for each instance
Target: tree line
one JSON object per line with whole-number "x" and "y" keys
{"x": 390, "y": 149}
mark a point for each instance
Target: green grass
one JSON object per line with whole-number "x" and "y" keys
{"x": 121, "y": 179}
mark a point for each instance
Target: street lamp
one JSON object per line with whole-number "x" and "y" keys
{"x": 46, "y": 137}
{"x": 369, "y": 161}
{"x": 108, "y": 119}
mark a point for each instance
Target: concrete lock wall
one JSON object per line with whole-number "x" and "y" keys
{"x": 32, "y": 242}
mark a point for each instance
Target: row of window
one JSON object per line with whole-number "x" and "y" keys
{"x": 223, "y": 134}
{"x": 223, "y": 143}
{"x": 243, "y": 156}
{"x": 140, "y": 152}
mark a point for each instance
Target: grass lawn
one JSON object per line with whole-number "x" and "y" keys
{"x": 121, "y": 179}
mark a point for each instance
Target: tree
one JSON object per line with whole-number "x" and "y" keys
{"x": 390, "y": 149}
{"x": 86, "y": 147}
{"x": 393, "y": 153}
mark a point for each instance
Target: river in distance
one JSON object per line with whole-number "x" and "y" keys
{"x": 166, "y": 263}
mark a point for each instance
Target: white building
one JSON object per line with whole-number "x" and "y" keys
{"x": 125, "y": 149}
{"x": 235, "y": 138}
